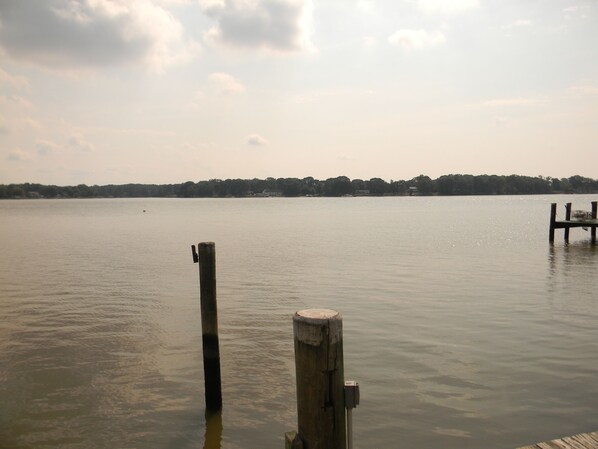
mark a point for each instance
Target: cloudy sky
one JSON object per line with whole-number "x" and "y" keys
{"x": 161, "y": 91}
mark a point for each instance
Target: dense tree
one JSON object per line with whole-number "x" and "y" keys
{"x": 378, "y": 186}
{"x": 289, "y": 186}
{"x": 581, "y": 184}
{"x": 358, "y": 184}
{"x": 311, "y": 186}
{"x": 187, "y": 189}
{"x": 423, "y": 183}
{"x": 338, "y": 186}
{"x": 398, "y": 187}
{"x": 453, "y": 184}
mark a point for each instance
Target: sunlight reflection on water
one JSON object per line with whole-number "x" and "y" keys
{"x": 462, "y": 325}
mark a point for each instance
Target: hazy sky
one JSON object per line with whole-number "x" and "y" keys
{"x": 116, "y": 91}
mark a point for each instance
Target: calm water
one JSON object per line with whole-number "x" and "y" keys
{"x": 462, "y": 325}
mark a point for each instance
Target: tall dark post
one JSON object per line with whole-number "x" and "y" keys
{"x": 320, "y": 378}
{"x": 552, "y": 220}
{"x": 568, "y": 218}
{"x": 594, "y": 216}
{"x": 209, "y": 324}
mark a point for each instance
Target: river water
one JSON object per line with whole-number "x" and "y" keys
{"x": 463, "y": 326}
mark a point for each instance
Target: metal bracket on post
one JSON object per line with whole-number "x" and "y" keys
{"x": 351, "y": 401}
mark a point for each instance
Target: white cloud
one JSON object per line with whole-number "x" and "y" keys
{"x": 416, "y": 39}
{"x": 370, "y": 41}
{"x": 576, "y": 11}
{"x": 17, "y": 155}
{"x": 520, "y": 23}
{"x": 446, "y": 6}
{"x": 275, "y": 25}
{"x": 211, "y": 6}
{"x": 226, "y": 84}
{"x": 174, "y": 2}
{"x": 15, "y": 102}
{"x": 498, "y": 102}
{"x": 366, "y": 6}
{"x": 15, "y": 81}
{"x": 573, "y": 8}
{"x": 92, "y": 33}
{"x": 256, "y": 140}
{"x": 584, "y": 90}
{"x": 16, "y": 123}
{"x": 79, "y": 143}
{"x": 45, "y": 147}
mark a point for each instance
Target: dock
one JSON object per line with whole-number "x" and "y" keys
{"x": 579, "y": 441}
{"x": 588, "y": 222}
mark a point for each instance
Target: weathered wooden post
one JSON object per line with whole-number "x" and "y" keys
{"x": 292, "y": 441}
{"x": 209, "y": 324}
{"x": 594, "y": 216}
{"x": 568, "y": 218}
{"x": 320, "y": 378}
{"x": 552, "y": 220}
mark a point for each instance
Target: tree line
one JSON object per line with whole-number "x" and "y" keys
{"x": 331, "y": 187}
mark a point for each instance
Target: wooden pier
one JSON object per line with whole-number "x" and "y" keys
{"x": 579, "y": 441}
{"x": 590, "y": 222}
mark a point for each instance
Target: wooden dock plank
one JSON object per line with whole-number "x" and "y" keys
{"x": 579, "y": 441}
{"x": 589, "y": 220}
{"x": 556, "y": 444}
{"x": 551, "y": 445}
{"x": 585, "y": 439}
{"x": 573, "y": 443}
{"x": 559, "y": 224}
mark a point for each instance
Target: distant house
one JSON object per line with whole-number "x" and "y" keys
{"x": 34, "y": 195}
{"x": 268, "y": 192}
{"x": 413, "y": 191}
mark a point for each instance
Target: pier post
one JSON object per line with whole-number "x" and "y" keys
{"x": 292, "y": 441}
{"x": 209, "y": 325}
{"x": 594, "y": 216}
{"x": 568, "y": 218}
{"x": 552, "y": 220}
{"x": 318, "y": 336}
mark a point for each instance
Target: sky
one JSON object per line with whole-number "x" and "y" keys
{"x": 166, "y": 91}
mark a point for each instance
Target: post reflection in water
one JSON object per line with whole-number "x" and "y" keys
{"x": 572, "y": 269}
{"x": 213, "y": 435}
{"x": 572, "y": 256}
{"x": 483, "y": 332}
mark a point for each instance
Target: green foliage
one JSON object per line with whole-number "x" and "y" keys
{"x": 339, "y": 186}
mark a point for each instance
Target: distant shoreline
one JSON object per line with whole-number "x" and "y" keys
{"x": 446, "y": 185}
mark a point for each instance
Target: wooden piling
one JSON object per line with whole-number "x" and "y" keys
{"x": 318, "y": 336}
{"x": 209, "y": 325}
{"x": 552, "y": 221}
{"x": 568, "y": 218}
{"x": 292, "y": 441}
{"x": 594, "y": 216}
{"x": 583, "y": 221}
